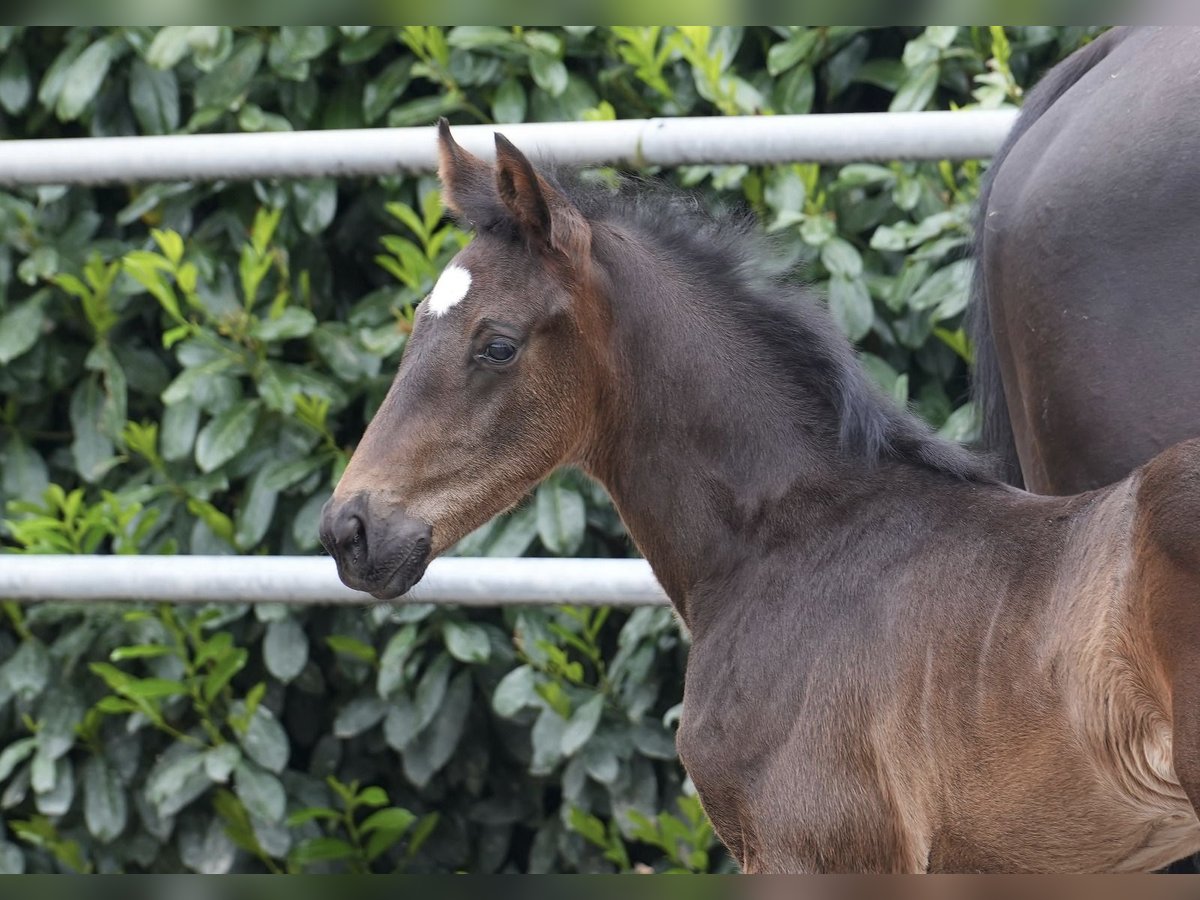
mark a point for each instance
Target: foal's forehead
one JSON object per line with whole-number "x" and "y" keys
{"x": 480, "y": 274}
{"x": 450, "y": 290}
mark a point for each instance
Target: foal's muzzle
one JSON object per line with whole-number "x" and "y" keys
{"x": 377, "y": 546}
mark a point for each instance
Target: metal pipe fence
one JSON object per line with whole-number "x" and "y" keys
{"x": 831, "y": 138}
{"x": 313, "y": 580}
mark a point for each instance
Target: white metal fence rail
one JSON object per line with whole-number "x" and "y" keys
{"x": 313, "y": 579}
{"x": 473, "y": 582}
{"x": 382, "y": 151}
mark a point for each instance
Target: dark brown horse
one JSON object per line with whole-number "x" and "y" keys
{"x": 1086, "y": 318}
{"x": 898, "y": 664}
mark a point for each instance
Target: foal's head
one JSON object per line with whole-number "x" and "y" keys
{"x": 498, "y": 385}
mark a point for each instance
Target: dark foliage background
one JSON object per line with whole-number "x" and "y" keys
{"x": 184, "y": 368}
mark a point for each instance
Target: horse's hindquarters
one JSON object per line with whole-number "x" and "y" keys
{"x": 1088, "y": 254}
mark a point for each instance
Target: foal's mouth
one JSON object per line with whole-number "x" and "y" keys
{"x": 410, "y": 570}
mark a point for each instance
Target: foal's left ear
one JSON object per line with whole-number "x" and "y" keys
{"x": 545, "y": 217}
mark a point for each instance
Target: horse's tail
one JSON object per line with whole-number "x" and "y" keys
{"x": 987, "y": 389}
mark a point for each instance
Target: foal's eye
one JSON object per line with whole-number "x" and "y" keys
{"x": 499, "y": 351}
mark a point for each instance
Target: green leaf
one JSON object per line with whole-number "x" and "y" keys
{"x": 312, "y": 814}
{"x": 343, "y": 354}
{"x": 292, "y": 322}
{"x": 154, "y": 688}
{"x": 285, "y": 649}
{"x": 176, "y": 779}
{"x": 265, "y": 741}
{"x": 221, "y": 88}
{"x": 941, "y": 36}
{"x": 400, "y": 725}
{"x": 169, "y": 46}
{"x": 393, "y": 660}
{"x": 466, "y": 641}
{"x": 841, "y": 258}
{"x": 917, "y": 90}
{"x": 359, "y": 715}
{"x": 509, "y": 103}
{"x": 373, "y": 796}
{"x": 255, "y": 512}
{"x": 381, "y": 93}
{"x": 561, "y": 517}
{"x": 205, "y": 846}
{"x": 784, "y": 55}
{"x": 21, "y": 326}
{"x": 589, "y": 827}
{"x": 393, "y": 819}
{"x": 23, "y": 474}
{"x": 139, "y": 651}
{"x": 16, "y": 87}
{"x": 55, "y": 77}
{"x": 15, "y": 754}
{"x": 305, "y": 42}
{"x": 475, "y": 37}
{"x": 548, "y": 72}
{"x": 652, "y": 740}
{"x": 219, "y": 762}
{"x": 92, "y": 448}
{"x": 422, "y": 111}
{"x": 222, "y": 673}
{"x": 582, "y": 724}
{"x": 851, "y": 306}
{"x": 514, "y": 692}
{"x": 948, "y": 289}
{"x": 154, "y": 97}
{"x": 352, "y": 647}
{"x": 260, "y": 791}
{"x": 322, "y": 849}
{"x": 12, "y": 860}
{"x": 432, "y": 748}
{"x": 216, "y": 521}
{"x": 83, "y": 79}
{"x": 432, "y": 690}
{"x": 795, "y": 91}
{"x": 547, "y": 738}
{"x": 105, "y": 807}
{"x": 225, "y": 436}
{"x": 316, "y": 203}
{"x": 962, "y": 425}
{"x": 281, "y": 475}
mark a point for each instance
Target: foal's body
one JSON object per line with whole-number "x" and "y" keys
{"x": 898, "y": 664}
{"x": 894, "y": 666}
{"x": 970, "y": 717}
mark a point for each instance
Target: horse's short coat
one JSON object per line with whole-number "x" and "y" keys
{"x": 898, "y": 664}
{"x": 1086, "y": 317}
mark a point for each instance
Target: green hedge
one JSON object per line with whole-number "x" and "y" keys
{"x": 186, "y": 367}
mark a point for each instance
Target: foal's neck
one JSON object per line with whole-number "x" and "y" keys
{"x": 709, "y": 450}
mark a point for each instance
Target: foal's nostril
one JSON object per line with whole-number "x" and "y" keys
{"x": 349, "y": 534}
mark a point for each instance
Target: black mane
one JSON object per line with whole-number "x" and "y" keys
{"x": 727, "y": 251}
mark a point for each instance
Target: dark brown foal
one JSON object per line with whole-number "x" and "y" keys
{"x": 898, "y": 664}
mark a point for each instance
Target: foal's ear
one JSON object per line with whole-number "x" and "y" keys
{"x": 468, "y": 188}
{"x": 544, "y": 216}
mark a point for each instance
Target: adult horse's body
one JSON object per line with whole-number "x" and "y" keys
{"x": 1087, "y": 310}
{"x": 898, "y": 664}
